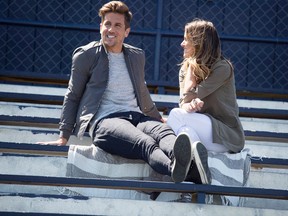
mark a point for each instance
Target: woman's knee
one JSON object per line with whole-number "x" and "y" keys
{"x": 175, "y": 112}
{"x": 175, "y": 118}
{"x": 173, "y": 115}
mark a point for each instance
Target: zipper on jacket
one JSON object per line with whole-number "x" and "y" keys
{"x": 134, "y": 83}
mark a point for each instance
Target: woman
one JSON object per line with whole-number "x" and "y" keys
{"x": 208, "y": 110}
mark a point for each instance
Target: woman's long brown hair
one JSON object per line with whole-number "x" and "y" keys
{"x": 204, "y": 37}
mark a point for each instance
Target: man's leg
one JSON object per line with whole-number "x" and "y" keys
{"x": 179, "y": 149}
{"x": 160, "y": 132}
{"x": 120, "y": 137}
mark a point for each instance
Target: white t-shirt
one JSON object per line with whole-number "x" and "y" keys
{"x": 119, "y": 95}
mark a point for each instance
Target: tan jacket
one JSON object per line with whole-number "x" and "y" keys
{"x": 220, "y": 104}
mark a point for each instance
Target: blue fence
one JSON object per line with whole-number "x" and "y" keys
{"x": 38, "y": 37}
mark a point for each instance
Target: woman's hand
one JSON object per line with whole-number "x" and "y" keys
{"x": 60, "y": 142}
{"x": 195, "y": 105}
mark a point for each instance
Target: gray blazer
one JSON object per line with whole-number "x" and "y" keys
{"x": 88, "y": 81}
{"x": 220, "y": 104}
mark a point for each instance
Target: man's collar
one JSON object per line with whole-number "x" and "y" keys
{"x": 106, "y": 51}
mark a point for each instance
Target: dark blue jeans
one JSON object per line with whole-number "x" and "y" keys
{"x": 135, "y": 136}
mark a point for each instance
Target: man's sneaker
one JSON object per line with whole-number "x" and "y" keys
{"x": 182, "y": 157}
{"x": 199, "y": 171}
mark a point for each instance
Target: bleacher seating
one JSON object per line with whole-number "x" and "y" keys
{"x": 30, "y": 113}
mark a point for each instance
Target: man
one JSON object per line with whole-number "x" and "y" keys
{"x": 107, "y": 94}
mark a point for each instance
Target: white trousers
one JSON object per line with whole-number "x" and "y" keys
{"x": 198, "y": 126}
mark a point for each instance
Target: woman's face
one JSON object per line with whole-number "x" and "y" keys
{"x": 189, "y": 49}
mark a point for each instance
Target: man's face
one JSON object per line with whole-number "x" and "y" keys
{"x": 113, "y": 32}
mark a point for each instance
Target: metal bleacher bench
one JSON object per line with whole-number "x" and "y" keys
{"x": 38, "y": 107}
{"x": 49, "y": 98}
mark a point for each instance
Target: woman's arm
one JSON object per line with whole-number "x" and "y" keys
{"x": 189, "y": 101}
{"x": 189, "y": 81}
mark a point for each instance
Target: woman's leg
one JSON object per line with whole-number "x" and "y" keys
{"x": 197, "y": 125}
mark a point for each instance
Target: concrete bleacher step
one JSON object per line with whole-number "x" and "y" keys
{"x": 46, "y": 110}
{"x": 30, "y": 89}
{"x": 60, "y": 91}
{"x": 38, "y": 121}
{"x": 49, "y": 115}
{"x": 23, "y": 164}
{"x": 16, "y": 134}
{"x": 56, "y": 167}
{"x": 34, "y": 134}
{"x": 54, "y": 95}
{"x": 267, "y": 149}
{"x": 42, "y": 205}
{"x": 272, "y": 178}
{"x": 53, "y": 166}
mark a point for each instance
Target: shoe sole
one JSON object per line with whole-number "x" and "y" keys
{"x": 182, "y": 153}
{"x": 201, "y": 161}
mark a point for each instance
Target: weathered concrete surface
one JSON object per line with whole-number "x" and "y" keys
{"x": 56, "y": 166}
{"x": 100, "y": 206}
{"x": 25, "y": 135}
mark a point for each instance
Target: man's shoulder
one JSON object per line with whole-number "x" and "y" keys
{"x": 91, "y": 45}
{"x": 133, "y": 49}
{"x": 94, "y": 45}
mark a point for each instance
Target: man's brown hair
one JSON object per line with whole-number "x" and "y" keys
{"x": 116, "y": 7}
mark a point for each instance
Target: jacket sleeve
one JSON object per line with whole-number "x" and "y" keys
{"x": 147, "y": 105}
{"x": 78, "y": 79}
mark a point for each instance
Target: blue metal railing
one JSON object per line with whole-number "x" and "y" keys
{"x": 254, "y": 36}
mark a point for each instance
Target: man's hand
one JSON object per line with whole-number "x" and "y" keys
{"x": 60, "y": 142}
